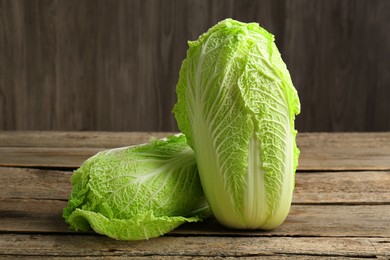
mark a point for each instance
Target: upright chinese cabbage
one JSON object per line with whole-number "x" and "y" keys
{"x": 137, "y": 192}
{"x": 236, "y": 105}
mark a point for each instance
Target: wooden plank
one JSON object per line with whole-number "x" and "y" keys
{"x": 46, "y": 157}
{"x": 319, "y": 151}
{"x": 27, "y": 215}
{"x": 69, "y": 245}
{"x": 310, "y": 187}
{"x": 272, "y": 257}
{"x": 313, "y": 221}
{"x": 63, "y": 149}
{"x": 58, "y": 139}
{"x": 25, "y": 183}
{"x": 361, "y": 187}
{"x": 344, "y": 151}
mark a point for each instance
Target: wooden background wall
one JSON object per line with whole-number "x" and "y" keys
{"x": 113, "y": 65}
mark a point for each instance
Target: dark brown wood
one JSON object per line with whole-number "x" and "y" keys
{"x": 32, "y": 215}
{"x": 45, "y": 216}
{"x": 34, "y": 199}
{"x": 74, "y": 29}
{"x": 55, "y": 245}
{"x": 310, "y": 187}
{"x": 26, "y": 183}
{"x": 46, "y": 157}
{"x": 113, "y": 65}
{"x": 332, "y": 54}
{"x": 344, "y": 151}
{"x": 319, "y": 151}
{"x": 335, "y": 214}
{"x": 272, "y": 257}
{"x": 179, "y": 257}
{"x": 360, "y": 187}
{"x": 57, "y": 139}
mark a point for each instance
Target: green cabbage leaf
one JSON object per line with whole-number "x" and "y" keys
{"x": 137, "y": 192}
{"x": 237, "y": 105}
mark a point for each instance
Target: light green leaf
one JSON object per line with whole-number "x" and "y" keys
{"x": 137, "y": 192}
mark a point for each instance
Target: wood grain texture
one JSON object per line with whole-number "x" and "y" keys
{"x": 341, "y": 73}
{"x": 335, "y": 214}
{"x": 344, "y": 151}
{"x": 55, "y": 139}
{"x": 272, "y": 257}
{"x": 319, "y": 151}
{"x": 113, "y": 65}
{"x": 328, "y": 188}
{"x": 45, "y": 216}
{"x": 33, "y": 201}
{"x": 36, "y": 245}
{"x": 26, "y": 183}
{"x": 179, "y": 257}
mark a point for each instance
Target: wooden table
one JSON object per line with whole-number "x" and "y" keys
{"x": 341, "y": 205}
